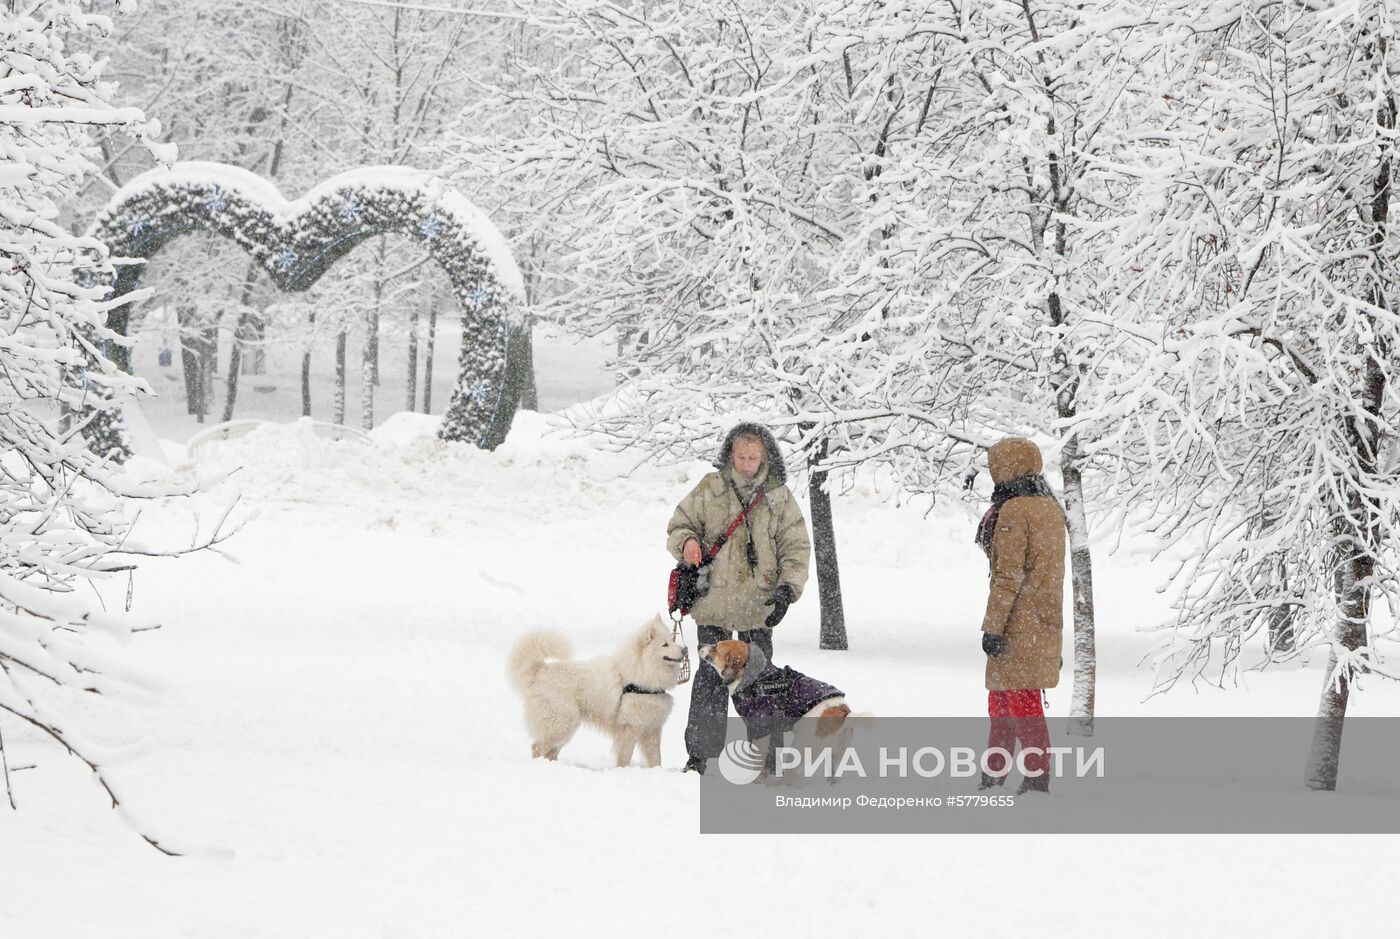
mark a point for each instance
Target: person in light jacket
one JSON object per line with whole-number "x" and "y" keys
{"x": 753, "y": 579}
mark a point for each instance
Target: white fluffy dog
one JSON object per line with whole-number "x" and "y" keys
{"x": 624, "y": 694}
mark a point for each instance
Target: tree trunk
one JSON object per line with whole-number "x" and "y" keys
{"x": 367, "y": 378}
{"x": 306, "y": 372}
{"x": 254, "y": 356}
{"x": 235, "y": 362}
{"x": 1354, "y": 593}
{"x": 208, "y": 366}
{"x": 1065, "y": 383}
{"x": 529, "y": 391}
{"x": 240, "y": 331}
{"x": 375, "y": 311}
{"x": 412, "y": 397}
{"x": 833, "y": 612}
{"x": 1359, "y": 540}
{"x": 1283, "y": 636}
{"x": 189, "y": 359}
{"x": 1065, "y": 376}
{"x": 1281, "y": 620}
{"x": 1082, "y": 700}
{"x": 194, "y": 382}
{"x": 428, "y": 360}
{"x": 117, "y": 353}
{"x": 340, "y": 342}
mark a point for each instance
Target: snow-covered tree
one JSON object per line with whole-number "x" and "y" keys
{"x": 851, "y": 219}
{"x": 969, "y": 281}
{"x": 703, "y": 165}
{"x": 1256, "y": 410}
{"x": 67, "y": 513}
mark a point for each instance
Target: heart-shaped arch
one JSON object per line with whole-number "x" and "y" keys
{"x": 296, "y": 242}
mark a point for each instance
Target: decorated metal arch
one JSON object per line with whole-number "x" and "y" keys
{"x": 297, "y": 241}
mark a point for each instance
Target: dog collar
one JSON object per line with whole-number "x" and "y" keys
{"x": 638, "y": 689}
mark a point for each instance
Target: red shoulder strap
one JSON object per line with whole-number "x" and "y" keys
{"x": 734, "y": 525}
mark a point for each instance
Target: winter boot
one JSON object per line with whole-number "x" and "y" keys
{"x": 696, "y": 764}
{"x": 989, "y": 781}
{"x": 1039, "y": 783}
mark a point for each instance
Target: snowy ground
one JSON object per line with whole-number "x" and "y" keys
{"x": 338, "y": 754}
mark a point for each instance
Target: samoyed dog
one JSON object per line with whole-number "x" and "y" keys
{"x": 624, "y": 694}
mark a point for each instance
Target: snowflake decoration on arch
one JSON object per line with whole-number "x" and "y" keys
{"x": 350, "y": 208}
{"x": 136, "y": 224}
{"x": 284, "y": 259}
{"x": 215, "y": 201}
{"x": 430, "y": 227}
{"x": 482, "y": 393}
{"x": 476, "y": 297}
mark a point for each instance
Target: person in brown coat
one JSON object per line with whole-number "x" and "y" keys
{"x": 1023, "y": 535}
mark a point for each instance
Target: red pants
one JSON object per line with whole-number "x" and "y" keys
{"x": 1017, "y": 715}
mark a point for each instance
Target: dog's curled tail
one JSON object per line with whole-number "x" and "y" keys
{"x": 531, "y": 652}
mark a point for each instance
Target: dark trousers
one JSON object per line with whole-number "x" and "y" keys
{"x": 709, "y": 696}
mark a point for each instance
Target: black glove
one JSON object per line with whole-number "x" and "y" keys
{"x": 993, "y": 645}
{"x": 782, "y": 598}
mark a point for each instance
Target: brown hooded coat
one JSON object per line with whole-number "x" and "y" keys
{"x": 1027, "y": 577}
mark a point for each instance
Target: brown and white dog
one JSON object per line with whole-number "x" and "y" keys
{"x": 774, "y": 700}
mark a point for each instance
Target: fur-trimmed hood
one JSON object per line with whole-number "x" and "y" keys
{"x": 777, "y": 469}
